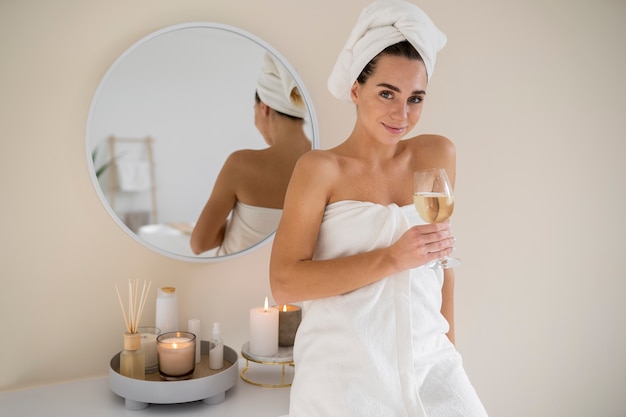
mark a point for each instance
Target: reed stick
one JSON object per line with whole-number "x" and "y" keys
{"x": 131, "y": 320}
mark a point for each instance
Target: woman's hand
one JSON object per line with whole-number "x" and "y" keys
{"x": 422, "y": 244}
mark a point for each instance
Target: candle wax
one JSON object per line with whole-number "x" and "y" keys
{"x": 263, "y": 331}
{"x": 289, "y": 318}
{"x": 148, "y": 344}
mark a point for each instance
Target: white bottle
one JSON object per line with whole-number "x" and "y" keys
{"x": 193, "y": 326}
{"x": 216, "y": 353}
{"x": 167, "y": 310}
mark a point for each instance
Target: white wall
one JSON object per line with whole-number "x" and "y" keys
{"x": 531, "y": 92}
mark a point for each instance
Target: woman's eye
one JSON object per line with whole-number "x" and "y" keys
{"x": 386, "y": 94}
{"x": 415, "y": 100}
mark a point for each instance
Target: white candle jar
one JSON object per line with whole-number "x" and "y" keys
{"x": 176, "y": 352}
{"x": 148, "y": 344}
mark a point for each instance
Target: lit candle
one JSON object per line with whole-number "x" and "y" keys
{"x": 263, "y": 331}
{"x": 289, "y": 318}
{"x": 176, "y": 352}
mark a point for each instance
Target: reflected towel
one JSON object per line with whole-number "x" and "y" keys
{"x": 134, "y": 175}
{"x": 382, "y": 24}
{"x": 248, "y": 226}
{"x": 277, "y": 88}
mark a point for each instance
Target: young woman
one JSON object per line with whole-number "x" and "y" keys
{"x": 378, "y": 329}
{"x": 251, "y": 185}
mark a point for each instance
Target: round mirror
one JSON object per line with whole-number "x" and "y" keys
{"x": 163, "y": 121}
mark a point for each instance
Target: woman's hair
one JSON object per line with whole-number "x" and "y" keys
{"x": 403, "y": 49}
{"x": 257, "y": 99}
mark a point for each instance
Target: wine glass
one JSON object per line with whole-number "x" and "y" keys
{"x": 434, "y": 202}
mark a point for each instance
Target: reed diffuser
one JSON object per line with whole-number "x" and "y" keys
{"x": 133, "y": 358}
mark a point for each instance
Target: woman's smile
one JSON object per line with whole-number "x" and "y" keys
{"x": 396, "y": 130}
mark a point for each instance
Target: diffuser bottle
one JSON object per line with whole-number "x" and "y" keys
{"x": 133, "y": 358}
{"x": 216, "y": 352}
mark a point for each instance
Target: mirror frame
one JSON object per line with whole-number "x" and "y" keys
{"x": 88, "y": 149}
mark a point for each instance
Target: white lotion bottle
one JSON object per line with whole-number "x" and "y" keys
{"x": 216, "y": 352}
{"x": 167, "y": 310}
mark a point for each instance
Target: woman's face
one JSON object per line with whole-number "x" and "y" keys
{"x": 389, "y": 104}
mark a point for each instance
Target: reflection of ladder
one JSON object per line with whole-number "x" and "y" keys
{"x": 115, "y": 187}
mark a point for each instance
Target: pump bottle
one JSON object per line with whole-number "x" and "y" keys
{"x": 216, "y": 352}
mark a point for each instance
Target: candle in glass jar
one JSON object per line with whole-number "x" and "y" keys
{"x": 176, "y": 352}
{"x": 263, "y": 331}
{"x": 148, "y": 344}
{"x": 289, "y": 318}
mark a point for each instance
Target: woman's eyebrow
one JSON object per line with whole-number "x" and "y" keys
{"x": 397, "y": 90}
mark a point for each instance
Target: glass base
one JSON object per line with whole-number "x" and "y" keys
{"x": 166, "y": 377}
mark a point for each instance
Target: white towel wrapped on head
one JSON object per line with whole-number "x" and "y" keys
{"x": 384, "y": 23}
{"x": 277, "y": 88}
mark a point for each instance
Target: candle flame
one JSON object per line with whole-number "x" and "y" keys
{"x": 285, "y": 307}
{"x": 174, "y": 346}
{"x": 266, "y": 307}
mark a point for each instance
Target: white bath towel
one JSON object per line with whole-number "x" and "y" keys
{"x": 247, "y": 226}
{"x": 277, "y": 88}
{"x": 380, "y": 350}
{"x": 134, "y": 175}
{"x": 382, "y": 24}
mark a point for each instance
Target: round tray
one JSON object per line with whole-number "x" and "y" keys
{"x": 205, "y": 384}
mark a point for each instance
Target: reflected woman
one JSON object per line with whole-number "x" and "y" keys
{"x": 247, "y": 200}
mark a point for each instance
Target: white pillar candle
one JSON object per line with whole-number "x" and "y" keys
{"x": 177, "y": 354}
{"x": 193, "y": 326}
{"x": 263, "y": 331}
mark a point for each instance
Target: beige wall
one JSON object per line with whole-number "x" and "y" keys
{"x": 533, "y": 94}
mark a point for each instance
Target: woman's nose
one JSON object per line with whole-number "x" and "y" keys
{"x": 399, "y": 110}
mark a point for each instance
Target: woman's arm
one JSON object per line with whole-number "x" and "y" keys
{"x": 294, "y": 276}
{"x": 209, "y": 230}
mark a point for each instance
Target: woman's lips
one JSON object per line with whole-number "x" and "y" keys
{"x": 393, "y": 129}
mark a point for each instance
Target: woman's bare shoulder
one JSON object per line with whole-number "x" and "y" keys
{"x": 318, "y": 161}
{"x": 432, "y": 141}
{"x": 432, "y": 147}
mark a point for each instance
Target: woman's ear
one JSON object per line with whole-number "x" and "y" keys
{"x": 265, "y": 109}
{"x": 354, "y": 92}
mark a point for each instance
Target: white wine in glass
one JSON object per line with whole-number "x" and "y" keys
{"x": 434, "y": 202}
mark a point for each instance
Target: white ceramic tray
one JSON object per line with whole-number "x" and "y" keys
{"x": 205, "y": 384}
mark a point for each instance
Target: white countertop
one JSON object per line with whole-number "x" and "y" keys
{"x": 94, "y": 398}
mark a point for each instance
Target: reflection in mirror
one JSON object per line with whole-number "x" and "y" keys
{"x": 164, "y": 120}
{"x": 252, "y": 184}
